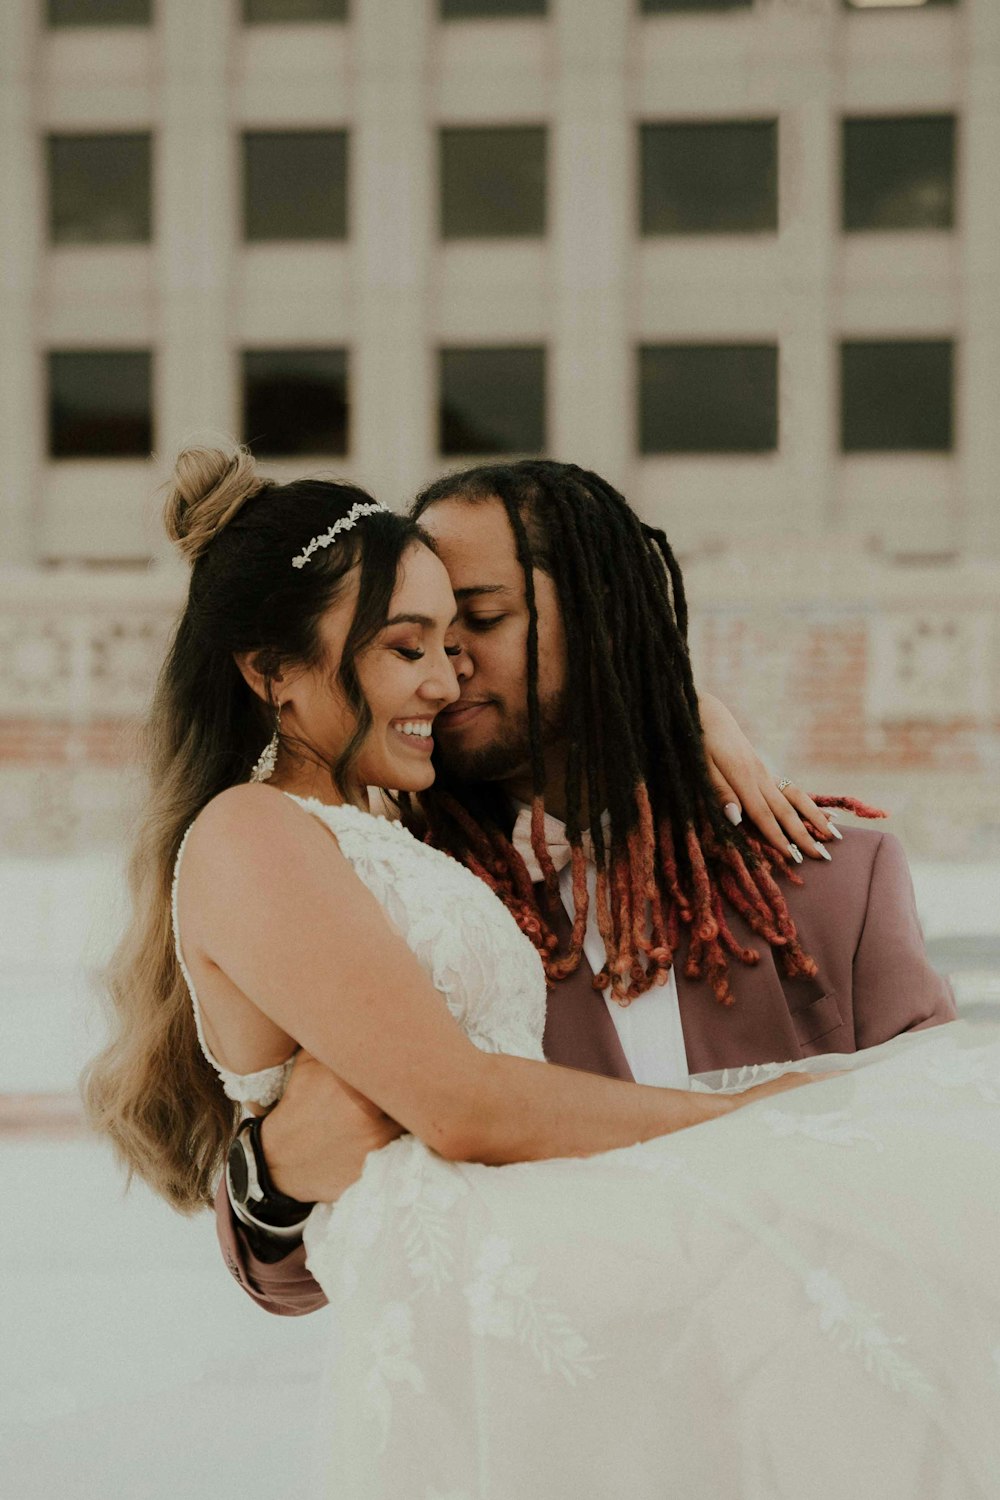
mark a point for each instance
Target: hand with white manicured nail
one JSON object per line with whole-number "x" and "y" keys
{"x": 749, "y": 792}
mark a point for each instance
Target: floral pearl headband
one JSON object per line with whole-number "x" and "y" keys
{"x": 327, "y": 538}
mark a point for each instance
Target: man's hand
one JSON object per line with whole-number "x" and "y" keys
{"x": 317, "y": 1137}
{"x": 746, "y": 787}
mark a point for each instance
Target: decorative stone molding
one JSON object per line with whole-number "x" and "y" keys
{"x": 847, "y": 671}
{"x": 83, "y": 647}
{"x": 931, "y": 665}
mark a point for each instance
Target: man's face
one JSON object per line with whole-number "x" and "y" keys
{"x": 484, "y": 735}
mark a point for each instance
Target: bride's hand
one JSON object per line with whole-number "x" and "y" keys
{"x": 317, "y": 1137}
{"x": 745, "y": 785}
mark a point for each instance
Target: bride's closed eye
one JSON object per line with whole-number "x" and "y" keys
{"x": 414, "y": 654}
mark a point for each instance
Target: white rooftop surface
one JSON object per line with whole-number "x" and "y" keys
{"x": 130, "y": 1364}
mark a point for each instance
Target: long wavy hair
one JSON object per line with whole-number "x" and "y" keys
{"x": 151, "y": 1091}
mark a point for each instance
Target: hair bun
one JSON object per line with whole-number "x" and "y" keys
{"x": 208, "y": 487}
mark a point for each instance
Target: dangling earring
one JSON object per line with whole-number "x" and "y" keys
{"x": 266, "y": 761}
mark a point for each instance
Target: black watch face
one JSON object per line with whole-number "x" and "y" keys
{"x": 239, "y": 1179}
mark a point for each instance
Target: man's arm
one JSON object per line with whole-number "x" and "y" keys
{"x": 282, "y": 1286}
{"x": 895, "y": 987}
{"x": 315, "y": 1142}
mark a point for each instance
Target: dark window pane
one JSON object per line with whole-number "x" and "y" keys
{"x": 719, "y": 177}
{"x": 460, "y": 10}
{"x": 100, "y": 12}
{"x": 99, "y": 189}
{"x": 278, "y": 12}
{"x": 492, "y": 401}
{"x": 893, "y": 4}
{"x": 100, "y": 404}
{"x": 493, "y": 181}
{"x": 295, "y": 401}
{"x": 899, "y": 173}
{"x": 896, "y": 397}
{"x": 295, "y": 185}
{"x": 708, "y": 398}
{"x": 661, "y": 7}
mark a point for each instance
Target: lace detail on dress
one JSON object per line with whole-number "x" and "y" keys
{"x": 488, "y": 972}
{"x": 264, "y": 1087}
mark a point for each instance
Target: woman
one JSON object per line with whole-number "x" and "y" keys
{"x": 651, "y": 1315}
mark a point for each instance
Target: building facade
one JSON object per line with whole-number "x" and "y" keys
{"x": 741, "y": 258}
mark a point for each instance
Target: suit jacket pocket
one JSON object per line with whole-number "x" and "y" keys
{"x": 817, "y": 1019}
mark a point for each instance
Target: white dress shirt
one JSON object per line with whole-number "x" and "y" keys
{"x": 649, "y": 1029}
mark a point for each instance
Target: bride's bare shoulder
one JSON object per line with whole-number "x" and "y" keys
{"x": 254, "y": 822}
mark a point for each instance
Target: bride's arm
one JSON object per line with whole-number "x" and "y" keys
{"x": 274, "y": 904}
{"x": 745, "y": 786}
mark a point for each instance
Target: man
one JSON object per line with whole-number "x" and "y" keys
{"x": 573, "y": 779}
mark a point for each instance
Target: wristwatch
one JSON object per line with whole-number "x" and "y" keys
{"x": 256, "y": 1202}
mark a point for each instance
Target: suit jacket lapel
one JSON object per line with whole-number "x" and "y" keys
{"x": 769, "y": 1020}
{"x": 579, "y": 1031}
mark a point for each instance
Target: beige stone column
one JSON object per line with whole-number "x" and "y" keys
{"x": 22, "y": 418}
{"x": 591, "y": 229}
{"x": 391, "y": 215}
{"x": 977, "y": 376}
{"x": 809, "y": 232}
{"x": 196, "y": 188}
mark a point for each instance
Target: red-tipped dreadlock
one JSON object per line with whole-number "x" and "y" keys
{"x": 666, "y": 858}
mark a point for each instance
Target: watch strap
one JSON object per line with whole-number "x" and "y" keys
{"x": 264, "y": 1207}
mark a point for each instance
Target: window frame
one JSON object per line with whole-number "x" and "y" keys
{"x": 718, "y": 345}
{"x": 50, "y": 355}
{"x": 687, "y": 122}
{"x": 443, "y": 131}
{"x": 543, "y": 415}
{"x": 895, "y": 118}
{"x": 246, "y": 21}
{"x": 874, "y": 341}
{"x": 98, "y": 24}
{"x": 246, "y": 352}
{"x": 52, "y": 138}
{"x": 248, "y": 133}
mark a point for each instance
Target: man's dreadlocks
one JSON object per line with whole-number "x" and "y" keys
{"x": 636, "y": 774}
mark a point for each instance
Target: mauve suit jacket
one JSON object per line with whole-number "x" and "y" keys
{"x": 857, "y": 918}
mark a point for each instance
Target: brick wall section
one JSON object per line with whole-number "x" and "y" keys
{"x": 105, "y": 743}
{"x": 801, "y": 690}
{"x": 848, "y": 673}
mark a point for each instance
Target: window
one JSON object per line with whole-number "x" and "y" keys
{"x": 708, "y": 398}
{"x": 493, "y": 181}
{"x": 461, "y": 10}
{"x": 280, "y": 11}
{"x": 893, "y": 4}
{"x": 99, "y": 12}
{"x": 295, "y": 401}
{"x": 896, "y": 397}
{"x": 664, "y": 7}
{"x": 100, "y": 404}
{"x": 719, "y": 177}
{"x": 899, "y": 172}
{"x": 295, "y": 185}
{"x": 492, "y": 401}
{"x": 99, "y": 189}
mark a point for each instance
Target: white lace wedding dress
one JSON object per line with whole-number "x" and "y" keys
{"x": 800, "y": 1301}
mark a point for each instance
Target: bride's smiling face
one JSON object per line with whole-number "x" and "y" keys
{"x": 407, "y": 674}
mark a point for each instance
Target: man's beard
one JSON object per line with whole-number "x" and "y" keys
{"x": 509, "y": 753}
